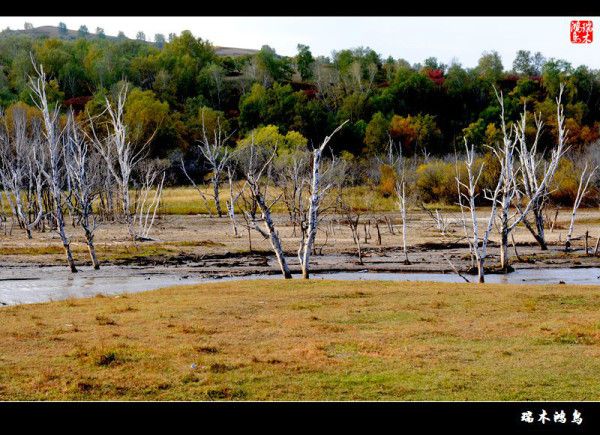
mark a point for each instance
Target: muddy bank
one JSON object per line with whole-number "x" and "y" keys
{"x": 207, "y": 246}
{"x": 426, "y": 257}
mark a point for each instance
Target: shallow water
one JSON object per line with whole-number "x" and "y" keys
{"x": 27, "y": 285}
{"x": 45, "y": 285}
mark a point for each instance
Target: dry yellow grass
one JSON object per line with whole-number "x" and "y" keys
{"x": 187, "y": 200}
{"x": 109, "y": 252}
{"x": 300, "y": 340}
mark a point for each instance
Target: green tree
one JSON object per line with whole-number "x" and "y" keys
{"x": 144, "y": 114}
{"x": 164, "y": 86}
{"x": 212, "y": 78}
{"x": 62, "y": 29}
{"x": 376, "y": 135}
{"x": 159, "y": 40}
{"x": 83, "y": 31}
{"x": 272, "y": 66}
{"x": 212, "y": 118}
{"x": 433, "y": 63}
{"x": 489, "y": 67}
{"x": 389, "y": 67}
{"x": 269, "y": 137}
{"x": 527, "y": 64}
{"x": 184, "y": 57}
{"x": 474, "y": 133}
{"x": 555, "y": 72}
{"x": 355, "y": 107}
{"x": 6, "y": 94}
{"x": 294, "y": 141}
{"x": 305, "y": 61}
{"x": 279, "y": 105}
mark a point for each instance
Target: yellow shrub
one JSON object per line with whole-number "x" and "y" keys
{"x": 565, "y": 183}
{"x": 436, "y": 182}
{"x": 387, "y": 180}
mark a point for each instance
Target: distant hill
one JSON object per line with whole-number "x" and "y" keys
{"x": 53, "y": 32}
{"x": 233, "y": 52}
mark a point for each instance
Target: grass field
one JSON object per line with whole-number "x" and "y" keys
{"x": 317, "y": 340}
{"x": 187, "y": 200}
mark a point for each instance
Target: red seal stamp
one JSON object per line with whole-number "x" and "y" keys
{"x": 582, "y": 31}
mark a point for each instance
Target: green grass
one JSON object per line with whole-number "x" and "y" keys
{"x": 315, "y": 340}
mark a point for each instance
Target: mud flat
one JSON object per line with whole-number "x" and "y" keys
{"x": 195, "y": 249}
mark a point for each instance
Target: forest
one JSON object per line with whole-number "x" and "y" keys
{"x": 427, "y": 108}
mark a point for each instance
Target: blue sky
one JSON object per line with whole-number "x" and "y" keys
{"x": 411, "y": 38}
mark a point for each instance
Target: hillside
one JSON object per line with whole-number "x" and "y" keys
{"x": 53, "y": 32}
{"x": 50, "y": 32}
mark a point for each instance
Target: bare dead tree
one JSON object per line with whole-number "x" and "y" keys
{"x": 317, "y": 191}
{"x": 22, "y": 160}
{"x": 401, "y": 194}
{"x": 258, "y": 190}
{"x": 441, "y": 223}
{"x": 107, "y": 207}
{"x": 147, "y": 201}
{"x": 292, "y": 173}
{"x": 396, "y": 160}
{"x": 54, "y": 141}
{"x": 533, "y": 165}
{"x": 248, "y": 213}
{"x": 198, "y": 188}
{"x": 507, "y": 181}
{"x": 584, "y": 181}
{"x": 217, "y": 155}
{"x": 463, "y": 218}
{"x": 3, "y": 216}
{"x": 85, "y": 177}
{"x": 468, "y": 191}
{"x": 233, "y": 197}
{"x": 509, "y": 175}
{"x": 119, "y": 153}
{"x": 352, "y": 219}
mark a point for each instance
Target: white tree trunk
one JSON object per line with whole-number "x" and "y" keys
{"x": 316, "y": 196}
{"x": 54, "y": 146}
{"x": 402, "y": 203}
{"x": 273, "y": 236}
{"x": 584, "y": 182}
{"x": 311, "y": 231}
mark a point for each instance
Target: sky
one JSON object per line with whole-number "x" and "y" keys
{"x": 461, "y": 39}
